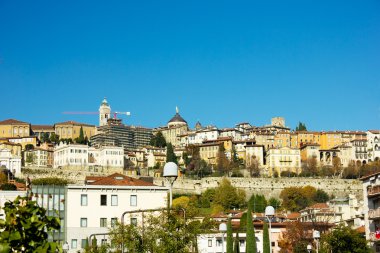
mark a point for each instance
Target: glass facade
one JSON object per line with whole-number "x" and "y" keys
{"x": 52, "y": 198}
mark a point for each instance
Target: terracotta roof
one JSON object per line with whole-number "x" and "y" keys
{"x": 368, "y": 176}
{"x": 118, "y": 179}
{"x": 70, "y": 122}
{"x": 360, "y": 230}
{"x": 13, "y": 122}
{"x": 318, "y": 206}
{"x": 42, "y": 127}
{"x": 374, "y": 131}
{"x": 293, "y": 216}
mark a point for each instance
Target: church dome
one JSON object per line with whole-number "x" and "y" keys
{"x": 177, "y": 120}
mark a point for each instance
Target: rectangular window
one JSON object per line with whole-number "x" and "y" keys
{"x": 83, "y": 222}
{"x": 83, "y": 199}
{"x": 103, "y": 222}
{"x": 113, "y": 222}
{"x": 218, "y": 243}
{"x": 104, "y": 241}
{"x": 84, "y": 243}
{"x": 210, "y": 243}
{"x": 133, "y": 200}
{"x": 74, "y": 243}
{"x": 134, "y": 221}
{"x": 103, "y": 200}
{"x": 113, "y": 200}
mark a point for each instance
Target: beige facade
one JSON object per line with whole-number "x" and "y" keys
{"x": 23, "y": 141}
{"x": 71, "y": 129}
{"x": 283, "y": 159}
{"x": 209, "y": 152}
{"x": 14, "y": 128}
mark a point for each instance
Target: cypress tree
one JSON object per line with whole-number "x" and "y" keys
{"x": 237, "y": 244}
{"x": 251, "y": 237}
{"x": 230, "y": 239}
{"x": 170, "y": 156}
{"x": 266, "y": 243}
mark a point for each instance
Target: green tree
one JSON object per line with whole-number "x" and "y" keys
{"x": 223, "y": 163}
{"x": 29, "y": 147}
{"x": 158, "y": 140}
{"x": 170, "y": 155}
{"x": 8, "y": 187}
{"x": 266, "y": 243}
{"x": 45, "y": 137}
{"x": 237, "y": 243}
{"x": 321, "y": 196}
{"x": 26, "y": 226}
{"x": 301, "y": 127}
{"x": 29, "y": 158}
{"x": 80, "y": 138}
{"x": 297, "y": 198}
{"x": 344, "y": 240}
{"x": 274, "y": 202}
{"x": 251, "y": 246}
{"x": 258, "y": 203}
{"x": 228, "y": 196}
{"x": 230, "y": 239}
{"x": 54, "y": 138}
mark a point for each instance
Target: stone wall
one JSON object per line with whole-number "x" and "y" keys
{"x": 270, "y": 187}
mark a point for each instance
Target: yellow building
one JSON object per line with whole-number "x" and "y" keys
{"x": 23, "y": 141}
{"x": 283, "y": 160}
{"x": 14, "y": 128}
{"x": 328, "y": 140}
{"x": 282, "y": 139}
{"x": 309, "y": 151}
{"x": 71, "y": 129}
{"x": 209, "y": 152}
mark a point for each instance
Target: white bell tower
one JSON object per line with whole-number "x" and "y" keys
{"x": 104, "y": 112}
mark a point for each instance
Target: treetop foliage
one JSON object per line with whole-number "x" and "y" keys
{"x": 50, "y": 181}
{"x": 297, "y": 198}
{"x": 26, "y": 226}
{"x": 301, "y": 127}
{"x": 158, "y": 140}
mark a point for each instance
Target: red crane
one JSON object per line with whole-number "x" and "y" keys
{"x": 95, "y": 113}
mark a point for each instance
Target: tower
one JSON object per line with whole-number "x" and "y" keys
{"x": 104, "y": 112}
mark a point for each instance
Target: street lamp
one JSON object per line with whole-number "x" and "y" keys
{"x": 223, "y": 230}
{"x": 171, "y": 174}
{"x": 309, "y": 248}
{"x": 269, "y": 213}
{"x": 316, "y": 236}
{"x": 65, "y": 247}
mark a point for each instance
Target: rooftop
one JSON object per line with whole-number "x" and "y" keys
{"x": 117, "y": 180}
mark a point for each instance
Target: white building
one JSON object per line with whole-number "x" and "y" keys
{"x": 78, "y": 156}
{"x": 38, "y": 157}
{"x": 104, "y": 112}
{"x": 254, "y": 154}
{"x": 10, "y": 161}
{"x": 371, "y": 209}
{"x": 231, "y": 132}
{"x": 373, "y": 145}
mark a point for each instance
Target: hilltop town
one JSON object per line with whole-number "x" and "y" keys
{"x": 72, "y": 167}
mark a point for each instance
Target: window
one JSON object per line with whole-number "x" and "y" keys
{"x": 134, "y": 221}
{"x": 133, "y": 200}
{"x": 104, "y": 241}
{"x": 242, "y": 243}
{"x": 84, "y": 243}
{"x": 113, "y": 200}
{"x": 273, "y": 244}
{"x": 218, "y": 243}
{"x": 103, "y": 200}
{"x": 83, "y": 222}
{"x": 74, "y": 243}
{"x": 113, "y": 222}
{"x": 209, "y": 242}
{"x": 103, "y": 222}
{"x": 83, "y": 199}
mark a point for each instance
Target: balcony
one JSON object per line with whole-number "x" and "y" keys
{"x": 372, "y": 237}
{"x": 373, "y": 191}
{"x": 374, "y": 214}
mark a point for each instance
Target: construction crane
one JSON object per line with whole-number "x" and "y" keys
{"x": 95, "y": 113}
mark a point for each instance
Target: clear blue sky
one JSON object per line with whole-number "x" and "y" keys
{"x": 221, "y": 62}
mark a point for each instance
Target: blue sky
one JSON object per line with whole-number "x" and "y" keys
{"x": 220, "y": 62}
